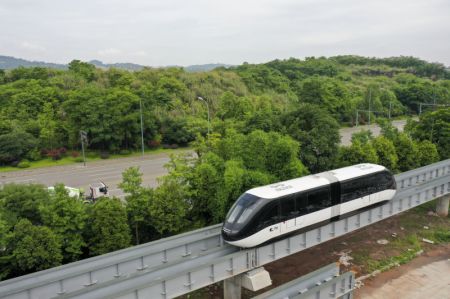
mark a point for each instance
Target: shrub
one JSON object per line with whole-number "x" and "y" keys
{"x": 34, "y": 155}
{"x": 62, "y": 150}
{"x": 104, "y": 155}
{"x": 14, "y": 163}
{"x": 78, "y": 159}
{"x": 55, "y": 154}
{"x": 154, "y": 143}
{"x": 166, "y": 146}
{"x": 174, "y": 146}
{"x": 75, "y": 154}
{"x": 125, "y": 152}
{"x": 23, "y": 164}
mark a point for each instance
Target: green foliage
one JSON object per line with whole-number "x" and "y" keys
{"x": 22, "y": 201}
{"x": 131, "y": 181}
{"x": 108, "y": 227}
{"x": 53, "y": 106}
{"x": 385, "y": 149}
{"x": 15, "y": 145}
{"x": 83, "y": 69}
{"x": 33, "y": 248}
{"x": 433, "y": 126}
{"x": 67, "y": 218}
{"x": 407, "y": 152}
{"x": 427, "y": 152}
{"x": 317, "y": 133}
{"x": 23, "y": 164}
{"x": 169, "y": 206}
{"x": 363, "y": 136}
{"x": 357, "y": 153}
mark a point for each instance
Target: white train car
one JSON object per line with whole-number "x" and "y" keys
{"x": 271, "y": 211}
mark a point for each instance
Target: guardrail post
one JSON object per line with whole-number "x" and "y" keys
{"x": 442, "y": 206}
{"x": 232, "y": 287}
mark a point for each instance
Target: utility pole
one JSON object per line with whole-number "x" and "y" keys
{"x": 142, "y": 127}
{"x": 390, "y": 107}
{"x": 207, "y": 107}
{"x": 370, "y": 100}
{"x": 83, "y": 137}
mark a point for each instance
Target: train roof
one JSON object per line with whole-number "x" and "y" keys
{"x": 313, "y": 181}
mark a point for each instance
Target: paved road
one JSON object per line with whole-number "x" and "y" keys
{"x": 346, "y": 133}
{"x": 430, "y": 281}
{"x": 110, "y": 171}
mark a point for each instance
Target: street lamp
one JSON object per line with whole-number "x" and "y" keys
{"x": 142, "y": 127}
{"x": 207, "y": 107}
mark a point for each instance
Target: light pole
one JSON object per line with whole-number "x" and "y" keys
{"x": 142, "y": 127}
{"x": 207, "y": 107}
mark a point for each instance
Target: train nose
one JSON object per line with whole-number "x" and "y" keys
{"x": 229, "y": 234}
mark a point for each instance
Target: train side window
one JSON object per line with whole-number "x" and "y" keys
{"x": 288, "y": 209}
{"x": 384, "y": 181}
{"x": 301, "y": 200}
{"x": 353, "y": 189}
{"x": 319, "y": 199}
{"x": 269, "y": 215}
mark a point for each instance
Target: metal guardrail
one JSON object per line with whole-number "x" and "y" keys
{"x": 322, "y": 283}
{"x": 88, "y": 272}
{"x": 204, "y": 259}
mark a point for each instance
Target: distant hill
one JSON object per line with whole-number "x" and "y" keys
{"x": 8, "y": 62}
{"x": 205, "y": 67}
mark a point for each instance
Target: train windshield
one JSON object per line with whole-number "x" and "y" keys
{"x": 242, "y": 209}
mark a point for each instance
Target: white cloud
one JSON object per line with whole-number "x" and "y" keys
{"x": 31, "y": 46}
{"x": 109, "y": 52}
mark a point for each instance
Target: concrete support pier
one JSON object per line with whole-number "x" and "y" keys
{"x": 232, "y": 287}
{"x": 442, "y": 206}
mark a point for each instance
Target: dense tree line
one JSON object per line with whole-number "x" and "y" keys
{"x": 43, "y": 110}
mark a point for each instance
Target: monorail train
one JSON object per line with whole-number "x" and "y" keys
{"x": 271, "y": 211}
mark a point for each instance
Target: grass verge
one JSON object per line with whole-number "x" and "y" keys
{"x": 90, "y": 157}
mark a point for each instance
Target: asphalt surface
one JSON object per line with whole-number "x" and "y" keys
{"x": 110, "y": 171}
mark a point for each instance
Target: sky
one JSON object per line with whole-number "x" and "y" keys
{"x": 180, "y": 32}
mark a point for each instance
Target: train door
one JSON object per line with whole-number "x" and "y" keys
{"x": 288, "y": 213}
{"x": 335, "y": 190}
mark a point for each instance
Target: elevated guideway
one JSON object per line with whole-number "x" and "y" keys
{"x": 178, "y": 265}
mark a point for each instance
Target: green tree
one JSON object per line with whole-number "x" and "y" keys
{"x": 169, "y": 205}
{"x": 205, "y": 182}
{"x": 23, "y": 201}
{"x": 386, "y": 153}
{"x": 84, "y": 69}
{"x": 407, "y": 152}
{"x": 357, "y": 153}
{"x": 131, "y": 181}
{"x": 15, "y": 145}
{"x": 318, "y": 134}
{"x": 66, "y": 216}
{"x": 138, "y": 205}
{"x": 47, "y": 124}
{"x": 435, "y": 127}
{"x": 233, "y": 185}
{"x": 427, "y": 153}
{"x": 363, "y": 136}
{"x": 108, "y": 227}
{"x": 34, "y": 248}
